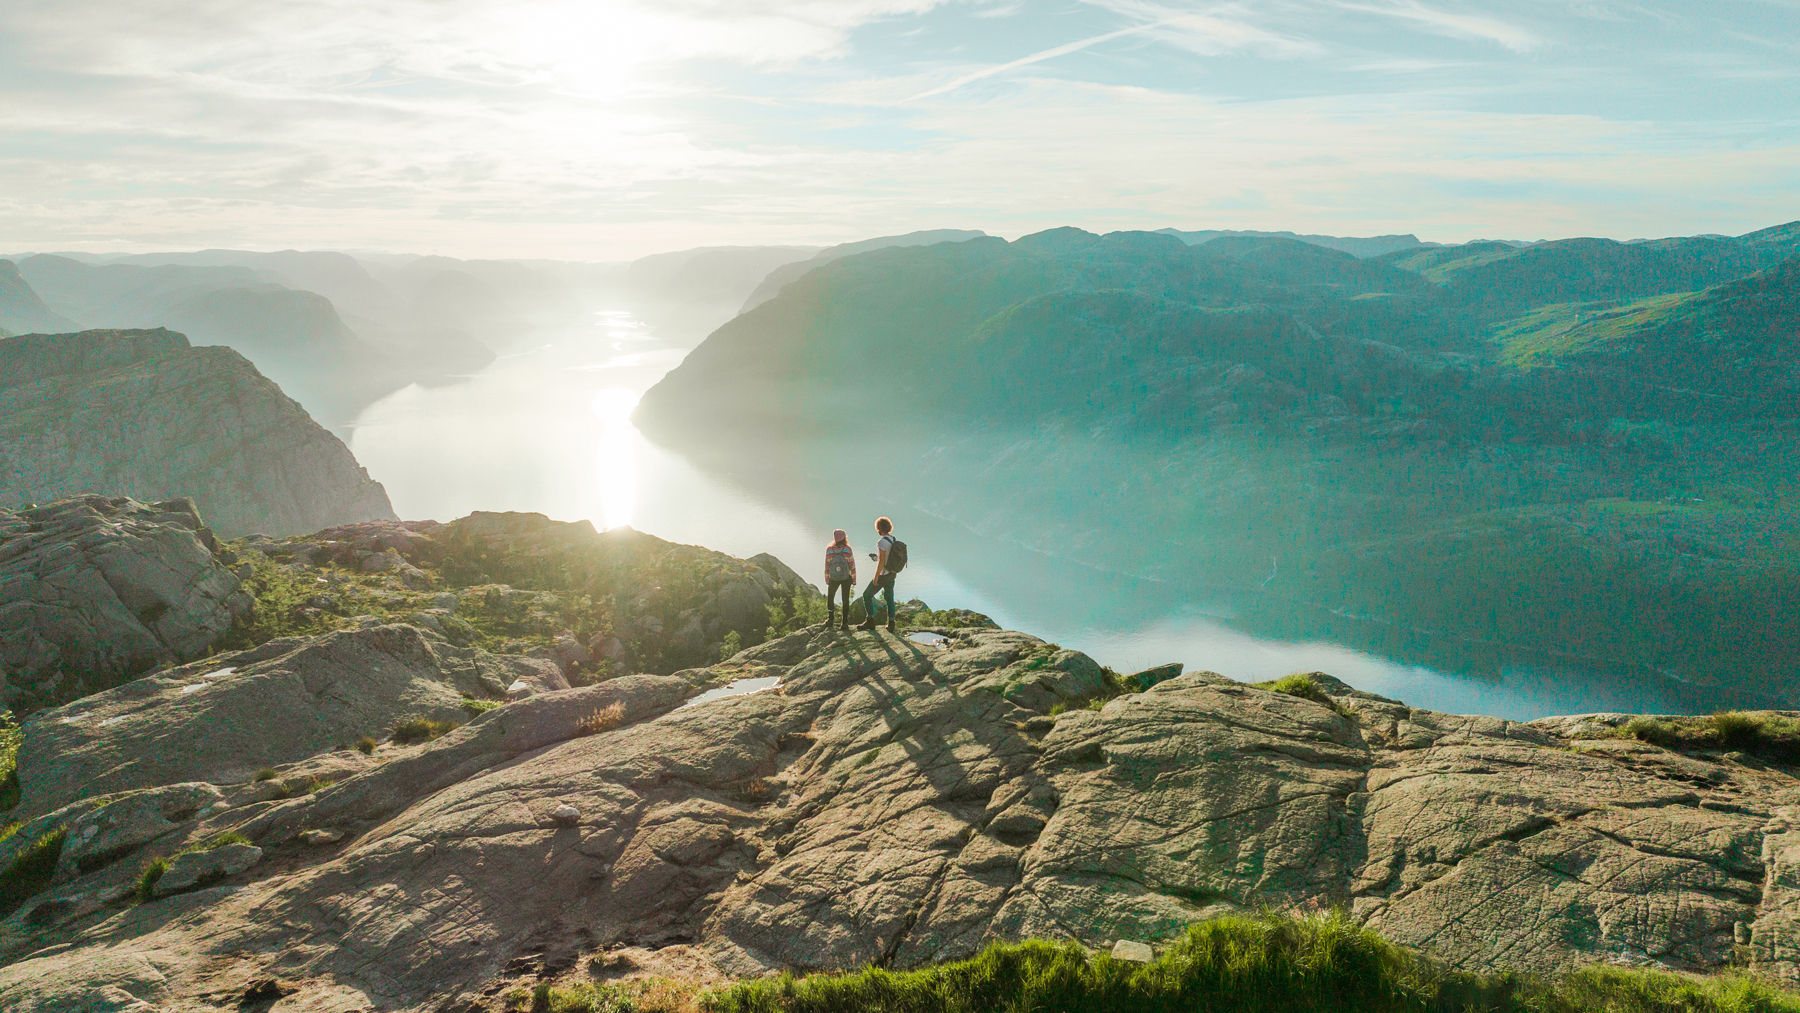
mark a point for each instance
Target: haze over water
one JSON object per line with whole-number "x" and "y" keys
{"x": 547, "y": 428}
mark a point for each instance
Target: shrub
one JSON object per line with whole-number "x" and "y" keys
{"x": 318, "y": 784}
{"x": 732, "y": 644}
{"x": 603, "y": 720}
{"x": 10, "y": 737}
{"x": 755, "y": 791}
{"x": 265, "y": 774}
{"x": 366, "y": 746}
{"x": 410, "y": 730}
{"x": 31, "y": 869}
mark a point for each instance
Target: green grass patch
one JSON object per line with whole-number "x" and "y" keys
{"x": 265, "y": 774}
{"x": 31, "y": 869}
{"x": 1300, "y": 684}
{"x": 1768, "y": 735}
{"x": 476, "y": 708}
{"x": 1324, "y": 964}
{"x": 10, "y": 738}
{"x": 1549, "y": 333}
{"x": 547, "y": 998}
{"x": 411, "y": 730}
{"x": 147, "y": 880}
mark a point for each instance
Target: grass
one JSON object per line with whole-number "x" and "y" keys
{"x": 366, "y": 746}
{"x": 1771, "y": 736}
{"x": 603, "y": 720}
{"x": 265, "y": 774}
{"x": 548, "y": 998}
{"x": 31, "y": 870}
{"x": 1300, "y": 684}
{"x": 755, "y": 791}
{"x": 10, "y": 737}
{"x": 1112, "y": 684}
{"x": 1322, "y": 964}
{"x": 410, "y": 730}
{"x": 476, "y": 708}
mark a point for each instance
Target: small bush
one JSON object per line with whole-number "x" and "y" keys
{"x": 603, "y": 720}
{"x": 265, "y": 774}
{"x": 318, "y": 784}
{"x": 476, "y": 708}
{"x": 31, "y": 870}
{"x": 732, "y": 644}
{"x": 10, "y": 738}
{"x": 410, "y": 730}
{"x": 366, "y": 746}
{"x": 153, "y": 871}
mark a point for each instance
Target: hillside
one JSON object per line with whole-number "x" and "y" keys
{"x": 445, "y": 815}
{"x": 142, "y": 414}
{"x": 1355, "y": 439}
{"x": 21, "y": 311}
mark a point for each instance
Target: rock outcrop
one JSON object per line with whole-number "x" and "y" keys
{"x": 97, "y": 590}
{"x": 141, "y": 414}
{"x": 898, "y": 804}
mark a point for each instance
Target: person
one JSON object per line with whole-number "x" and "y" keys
{"x": 840, "y": 573}
{"x": 883, "y": 579}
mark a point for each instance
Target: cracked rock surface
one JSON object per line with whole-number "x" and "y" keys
{"x": 893, "y": 804}
{"x": 97, "y": 589}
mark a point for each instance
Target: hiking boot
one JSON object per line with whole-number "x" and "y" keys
{"x": 890, "y": 626}
{"x": 866, "y": 624}
{"x": 846, "y": 625}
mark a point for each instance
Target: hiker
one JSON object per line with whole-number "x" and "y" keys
{"x": 840, "y": 572}
{"x": 890, "y": 558}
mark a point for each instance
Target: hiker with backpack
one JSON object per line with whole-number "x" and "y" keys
{"x": 890, "y": 559}
{"x": 840, "y": 572}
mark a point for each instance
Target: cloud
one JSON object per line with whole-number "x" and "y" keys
{"x": 1464, "y": 26}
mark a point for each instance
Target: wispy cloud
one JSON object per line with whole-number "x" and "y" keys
{"x": 1458, "y": 25}
{"x": 1037, "y": 57}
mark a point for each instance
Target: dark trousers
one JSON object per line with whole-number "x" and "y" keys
{"x": 831, "y": 593}
{"x": 885, "y": 582}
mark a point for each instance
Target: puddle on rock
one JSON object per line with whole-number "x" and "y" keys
{"x": 741, "y": 687}
{"x": 928, "y": 639}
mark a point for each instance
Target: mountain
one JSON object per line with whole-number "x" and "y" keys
{"x": 776, "y": 279}
{"x": 1371, "y": 246}
{"x": 721, "y": 274}
{"x": 142, "y": 414}
{"x": 513, "y": 821}
{"x": 1412, "y": 442}
{"x": 21, "y": 310}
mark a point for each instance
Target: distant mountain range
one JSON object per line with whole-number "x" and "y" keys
{"x": 1580, "y": 446}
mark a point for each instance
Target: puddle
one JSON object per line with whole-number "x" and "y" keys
{"x": 928, "y": 639}
{"x": 185, "y": 690}
{"x": 742, "y": 687}
{"x": 221, "y": 673}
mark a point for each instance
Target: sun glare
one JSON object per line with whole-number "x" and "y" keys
{"x": 615, "y": 458}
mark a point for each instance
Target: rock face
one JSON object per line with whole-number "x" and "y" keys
{"x": 141, "y": 414}
{"x": 96, "y": 590}
{"x": 279, "y": 703}
{"x": 894, "y": 804}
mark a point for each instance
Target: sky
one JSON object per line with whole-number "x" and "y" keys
{"x": 609, "y": 129}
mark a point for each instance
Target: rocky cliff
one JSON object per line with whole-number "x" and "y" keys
{"x": 894, "y": 800}
{"x": 141, "y": 414}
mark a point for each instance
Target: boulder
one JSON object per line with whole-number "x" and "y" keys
{"x": 97, "y": 590}
{"x": 195, "y": 868}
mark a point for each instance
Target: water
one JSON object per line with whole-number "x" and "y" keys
{"x": 547, "y": 428}
{"x": 740, "y": 687}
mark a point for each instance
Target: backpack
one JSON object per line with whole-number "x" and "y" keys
{"x": 896, "y": 560}
{"x": 837, "y": 566}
